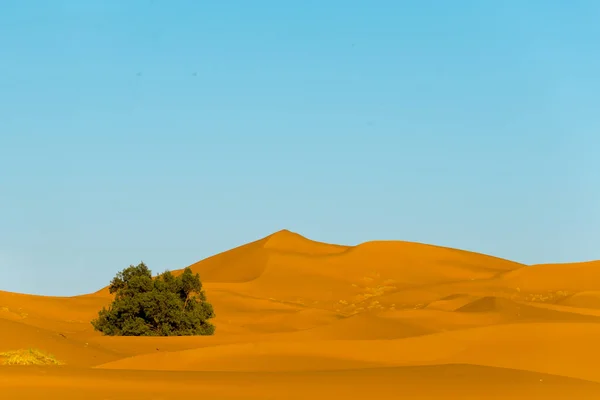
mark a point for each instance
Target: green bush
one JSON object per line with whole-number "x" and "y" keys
{"x": 161, "y": 306}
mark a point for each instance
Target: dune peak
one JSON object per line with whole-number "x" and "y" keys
{"x": 286, "y": 233}
{"x": 288, "y": 241}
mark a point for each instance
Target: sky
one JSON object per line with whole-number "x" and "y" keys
{"x": 168, "y": 131}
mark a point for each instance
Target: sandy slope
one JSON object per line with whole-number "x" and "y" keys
{"x": 300, "y": 319}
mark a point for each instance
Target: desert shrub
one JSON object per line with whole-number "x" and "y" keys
{"x": 163, "y": 306}
{"x": 28, "y": 357}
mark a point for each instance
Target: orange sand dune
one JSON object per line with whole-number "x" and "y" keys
{"x": 575, "y": 277}
{"x": 300, "y": 319}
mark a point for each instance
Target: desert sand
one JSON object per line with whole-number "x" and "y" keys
{"x": 299, "y": 319}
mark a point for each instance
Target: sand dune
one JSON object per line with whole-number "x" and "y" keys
{"x": 465, "y": 382}
{"x": 298, "y": 319}
{"x": 588, "y": 300}
{"x": 553, "y": 348}
{"x": 573, "y": 277}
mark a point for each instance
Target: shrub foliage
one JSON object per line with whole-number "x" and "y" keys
{"x": 163, "y": 306}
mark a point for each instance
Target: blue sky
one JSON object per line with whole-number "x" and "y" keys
{"x": 168, "y": 131}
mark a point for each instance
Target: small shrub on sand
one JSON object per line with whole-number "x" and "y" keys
{"x": 161, "y": 306}
{"x": 28, "y": 357}
{"x": 548, "y": 297}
